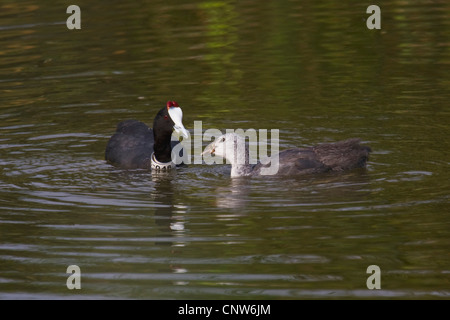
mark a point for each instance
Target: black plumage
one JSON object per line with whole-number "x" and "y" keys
{"x": 133, "y": 143}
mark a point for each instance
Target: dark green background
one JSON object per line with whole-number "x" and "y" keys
{"x": 309, "y": 68}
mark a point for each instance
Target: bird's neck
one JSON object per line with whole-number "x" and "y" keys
{"x": 241, "y": 170}
{"x": 240, "y": 164}
{"x": 162, "y": 147}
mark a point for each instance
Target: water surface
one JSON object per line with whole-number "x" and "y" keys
{"x": 312, "y": 70}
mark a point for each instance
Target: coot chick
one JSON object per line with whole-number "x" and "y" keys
{"x": 135, "y": 145}
{"x": 338, "y": 156}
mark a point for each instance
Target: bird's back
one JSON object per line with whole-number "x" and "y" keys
{"x": 338, "y": 156}
{"x": 131, "y": 145}
{"x": 343, "y": 155}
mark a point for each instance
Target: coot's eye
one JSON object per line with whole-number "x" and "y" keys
{"x": 166, "y": 117}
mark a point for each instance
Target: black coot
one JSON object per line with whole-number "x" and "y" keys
{"x": 135, "y": 145}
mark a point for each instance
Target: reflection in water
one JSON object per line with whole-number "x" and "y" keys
{"x": 295, "y": 190}
{"x": 234, "y": 196}
{"x": 221, "y": 21}
{"x": 168, "y": 215}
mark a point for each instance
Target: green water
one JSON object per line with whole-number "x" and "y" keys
{"x": 311, "y": 69}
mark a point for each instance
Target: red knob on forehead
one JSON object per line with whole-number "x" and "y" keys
{"x": 172, "y": 104}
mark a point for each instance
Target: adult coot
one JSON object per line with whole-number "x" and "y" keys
{"x": 135, "y": 145}
{"x": 338, "y": 156}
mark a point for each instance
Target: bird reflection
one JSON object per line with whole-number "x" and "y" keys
{"x": 240, "y": 192}
{"x": 169, "y": 216}
{"x": 235, "y": 195}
